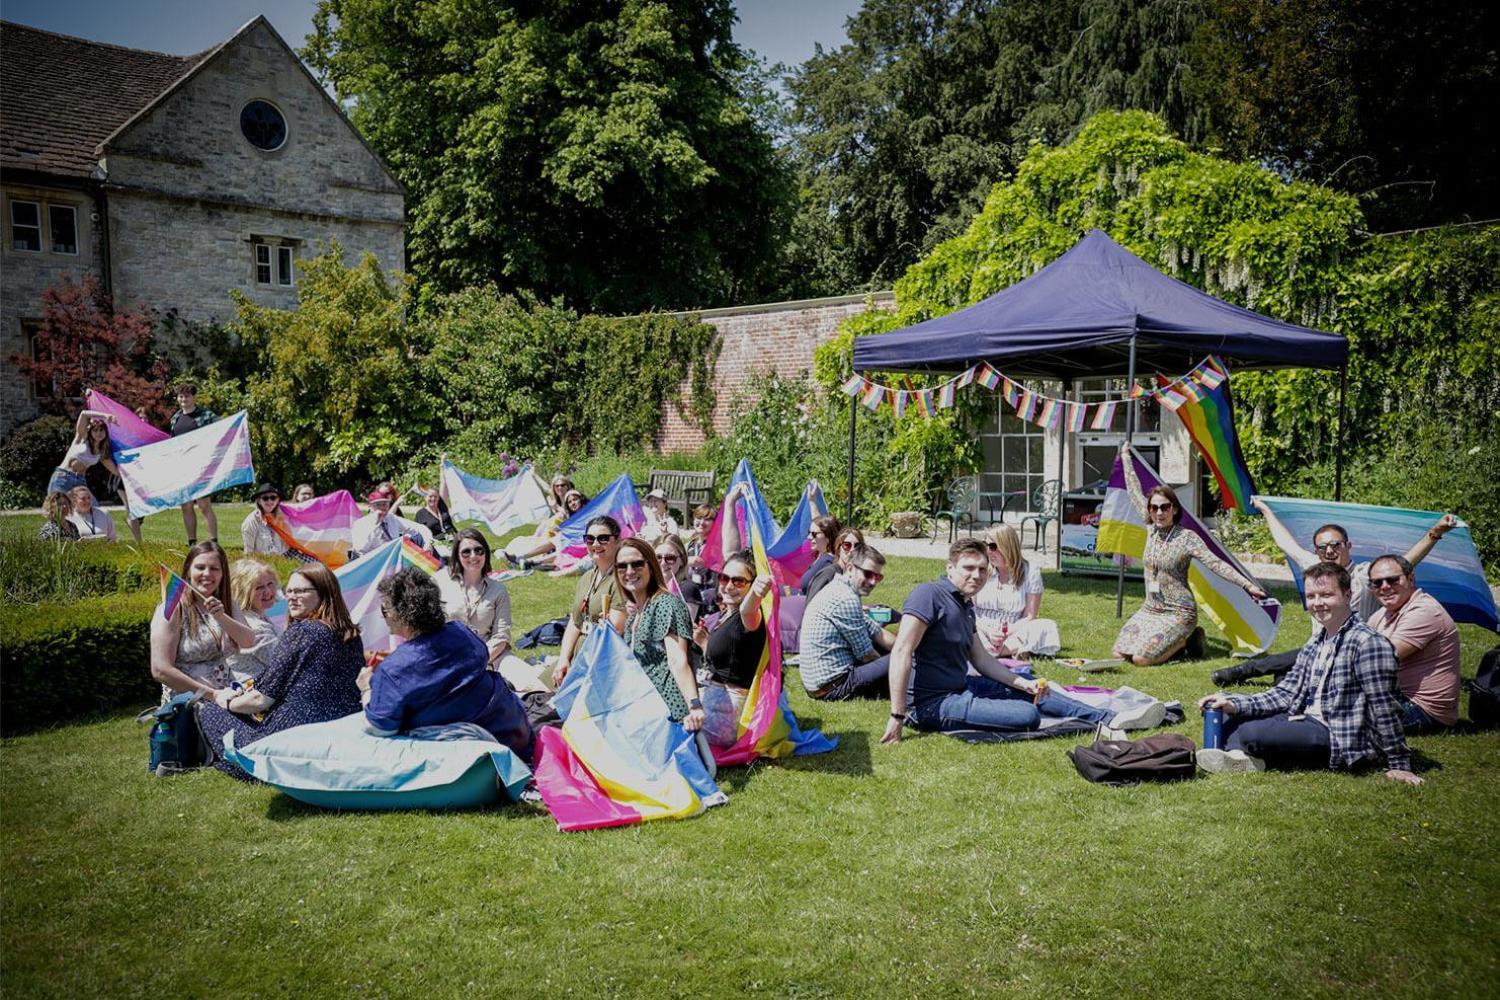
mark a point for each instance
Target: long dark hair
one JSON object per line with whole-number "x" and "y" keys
{"x": 455, "y": 569}
{"x": 332, "y": 611}
{"x": 222, "y": 591}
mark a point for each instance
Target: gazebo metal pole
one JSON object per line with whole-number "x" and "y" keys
{"x": 1129, "y": 436}
{"x": 853, "y": 417}
{"x": 1338, "y": 437}
{"x": 1062, "y": 451}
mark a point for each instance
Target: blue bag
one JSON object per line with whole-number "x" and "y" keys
{"x": 174, "y": 735}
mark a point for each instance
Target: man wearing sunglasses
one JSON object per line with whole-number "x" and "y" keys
{"x": 839, "y": 649}
{"x": 596, "y": 594}
{"x": 1427, "y": 647}
{"x": 1330, "y": 544}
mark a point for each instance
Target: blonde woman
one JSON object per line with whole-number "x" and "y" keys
{"x": 255, "y": 590}
{"x": 1008, "y": 606}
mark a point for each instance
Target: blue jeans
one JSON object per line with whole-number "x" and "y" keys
{"x": 1415, "y": 721}
{"x": 988, "y": 704}
{"x": 864, "y": 680}
{"x": 64, "y": 480}
{"x": 1282, "y": 742}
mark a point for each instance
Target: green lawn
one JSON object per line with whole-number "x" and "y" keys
{"x": 932, "y": 868}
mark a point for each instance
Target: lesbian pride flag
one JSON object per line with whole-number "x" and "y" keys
{"x": 618, "y": 500}
{"x": 1249, "y": 624}
{"x": 321, "y": 529}
{"x": 128, "y": 430}
{"x": 618, "y": 759}
{"x": 502, "y": 504}
{"x": 170, "y": 473}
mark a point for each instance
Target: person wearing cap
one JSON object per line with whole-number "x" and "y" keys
{"x": 659, "y": 523}
{"x": 255, "y": 530}
{"x": 380, "y": 525}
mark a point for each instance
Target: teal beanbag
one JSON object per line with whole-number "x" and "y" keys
{"x": 338, "y": 765}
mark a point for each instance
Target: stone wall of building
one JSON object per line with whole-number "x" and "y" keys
{"x": 778, "y": 337}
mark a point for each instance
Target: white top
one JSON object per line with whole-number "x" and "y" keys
{"x": 654, "y": 530}
{"x": 259, "y": 538}
{"x": 371, "y": 532}
{"x": 1005, "y": 603}
{"x": 250, "y": 662}
{"x": 485, "y": 609}
{"x": 96, "y": 525}
{"x": 79, "y": 452}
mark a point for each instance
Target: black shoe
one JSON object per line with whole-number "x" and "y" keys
{"x": 1196, "y": 647}
{"x": 1237, "y": 674}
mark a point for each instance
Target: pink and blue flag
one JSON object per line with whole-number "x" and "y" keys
{"x": 128, "y": 430}
{"x": 1076, "y": 414}
{"x": 320, "y": 529}
{"x": 502, "y": 504}
{"x": 619, "y": 501}
{"x": 1104, "y": 415}
{"x": 168, "y": 474}
{"x": 618, "y": 758}
{"x": 358, "y": 581}
{"x": 946, "y": 394}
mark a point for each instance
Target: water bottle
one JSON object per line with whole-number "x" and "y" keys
{"x": 1213, "y": 729}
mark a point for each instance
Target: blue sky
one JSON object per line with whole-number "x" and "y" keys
{"x": 781, "y": 30}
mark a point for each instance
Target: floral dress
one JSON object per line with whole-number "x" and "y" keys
{"x": 646, "y": 631}
{"x": 200, "y": 650}
{"x": 1170, "y": 614}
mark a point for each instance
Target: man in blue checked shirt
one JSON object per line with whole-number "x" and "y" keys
{"x": 1337, "y": 708}
{"x": 839, "y": 648}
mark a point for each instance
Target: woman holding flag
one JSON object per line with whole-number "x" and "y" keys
{"x": 657, "y": 628}
{"x": 732, "y": 648}
{"x": 192, "y": 633}
{"x": 255, "y": 530}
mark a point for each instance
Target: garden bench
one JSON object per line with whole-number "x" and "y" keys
{"x": 685, "y": 489}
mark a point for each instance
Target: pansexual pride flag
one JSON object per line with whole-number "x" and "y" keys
{"x": 502, "y": 504}
{"x": 1451, "y": 572}
{"x": 619, "y": 501}
{"x": 618, "y": 759}
{"x": 169, "y": 473}
{"x": 789, "y": 551}
{"x": 321, "y": 529}
{"x": 1208, "y": 414}
{"x": 713, "y": 554}
{"x": 128, "y": 430}
{"x": 1249, "y": 624}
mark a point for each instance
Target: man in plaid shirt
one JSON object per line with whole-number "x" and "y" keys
{"x": 1338, "y": 707}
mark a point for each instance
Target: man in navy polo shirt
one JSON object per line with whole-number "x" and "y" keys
{"x": 937, "y": 641}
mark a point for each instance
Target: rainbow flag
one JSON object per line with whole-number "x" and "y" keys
{"x": 128, "y": 430}
{"x": 1028, "y": 407}
{"x": 619, "y": 501}
{"x": 1051, "y": 413}
{"x": 1137, "y": 391}
{"x": 502, "y": 504}
{"x": 1012, "y": 396}
{"x": 767, "y": 727}
{"x": 618, "y": 759}
{"x": 1208, "y": 414}
{"x": 416, "y": 557}
{"x": 358, "y": 581}
{"x": 988, "y": 377}
{"x": 1211, "y": 372}
{"x": 1076, "y": 414}
{"x": 946, "y": 395}
{"x": 173, "y": 589}
{"x": 874, "y": 396}
{"x": 321, "y": 529}
{"x": 1249, "y": 624}
{"x": 167, "y": 474}
{"x": 1104, "y": 415}
{"x": 924, "y": 402}
{"x": 853, "y": 385}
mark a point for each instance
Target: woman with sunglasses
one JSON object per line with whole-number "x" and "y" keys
{"x": 1006, "y": 608}
{"x": 822, "y": 535}
{"x": 539, "y": 551}
{"x": 672, "y": 555}
{"x": 1169, "y": 618}
{"x": 259, "y": 538}
{"x": 472, "y": 596}
{"x": 845, "y": 542}
{"x": 597, "y": 595}
{"x": 658, "y": 630}
{"x": 732, "y": 646}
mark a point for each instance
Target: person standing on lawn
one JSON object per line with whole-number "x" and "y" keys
{"x": 936, "y": 644}
{"x": 1426, "y": 643}
{"x": 189, "y": 417}
{"x": 1338, "y": 708}
{"x": 842, "y": 654}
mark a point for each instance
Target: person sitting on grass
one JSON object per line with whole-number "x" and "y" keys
{"x": 822, "y": 533}
{"x": 658, "y": 523}
{"x": 1011, "y": 600}
{"x": 543, "y": 554}
{"x": 1426, "y": 643}
{"x": 93, "y": 524}
{"x": 57, "y": 518}
{"x": 732, "y": 647}
{"x": 657, "y": 629}
{"x": 434, "y": 516}
{"x": 672, "y": 555}
{"x": 253, "y": 586}
{"x": 472, "y": 596}
{"x": 303, "y": 493}
{"x": 597, "y": 594}
{"x": 380, "y": 525}
{"x": 188, "y": 650}
{"x": 936, "y": 644}
{"x": 1338, "y": 707}
{"x": 847, "y": 540}
{"x": 842, "y": 653}
{"x": 439, "y": 675}
{"x": 311, "y": 676}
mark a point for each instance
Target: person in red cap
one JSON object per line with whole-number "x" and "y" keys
{"x": 380, "y": 525}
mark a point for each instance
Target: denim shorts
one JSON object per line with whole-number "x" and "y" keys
{"x": 64, "y": 480}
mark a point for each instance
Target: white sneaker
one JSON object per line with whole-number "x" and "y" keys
{"x": 1143, "y": 717}
{"x": 1229, "y": 762}
{"x": 1103, "y": 732}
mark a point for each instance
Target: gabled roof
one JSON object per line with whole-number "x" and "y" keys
{"x": 60, "y": 97}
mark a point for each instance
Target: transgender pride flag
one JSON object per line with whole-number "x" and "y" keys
{"x": 358, "y": 581}
{"x": 321, "y": 528}
{"x": 502, "y": 504}
{"x": 170, "y": 473}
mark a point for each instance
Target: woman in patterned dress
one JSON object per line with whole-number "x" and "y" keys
{"x": 658, "y": 629}
{"x": 188, "y": 649}
{"x": 1164, "y": 623}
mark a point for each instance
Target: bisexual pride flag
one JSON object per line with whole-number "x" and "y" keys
{"x": 169, "y": 473}
{"x": 619, "y": 501}
{"x": 618, "y": 758}
{"x": 1249, "y": 624}
{"x": 128, "y": 430}
{"x": 320, "y": 529}
{"x": 1451, "y": 572}
{"x": 502, "y": 504}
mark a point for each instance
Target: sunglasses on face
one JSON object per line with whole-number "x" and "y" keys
{"x": 472, "y": 552}
{"x": 1159, "y": 506}
{"x": 632, "y": 564}
{"x": 870, "y": 574}
{"x": 846, "y": 545}
{"x": 1385, "y": 581}
{"x": 725, "y": 580}
{"x": 1321, "y": 546}
{"x": 598, "y": 539}
{"x": 668, "y": 559}
{"x": 301, "y": 592}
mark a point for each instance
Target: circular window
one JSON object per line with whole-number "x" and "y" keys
{"x": 263, "y": 125}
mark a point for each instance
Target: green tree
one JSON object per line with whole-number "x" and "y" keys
{"x": 604, "y": 152}
{"x": 337, "y": 395}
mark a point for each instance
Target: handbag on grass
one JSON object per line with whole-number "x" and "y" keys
{"x": 1163, "y": 757}
{"x": 174, "y": 735}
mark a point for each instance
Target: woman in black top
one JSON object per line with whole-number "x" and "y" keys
{"x": 732, "y": 648}
{"x": 434, "y": 516}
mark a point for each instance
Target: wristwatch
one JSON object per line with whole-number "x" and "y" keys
{"x": 696, "y": 703}
{"x": 899, "y": 716}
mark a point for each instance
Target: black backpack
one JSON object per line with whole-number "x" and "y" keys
{"x": 1484, "y": 691}
{"x": 1163, "y": 757}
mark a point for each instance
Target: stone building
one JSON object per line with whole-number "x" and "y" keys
{"x": 173, "y": 179}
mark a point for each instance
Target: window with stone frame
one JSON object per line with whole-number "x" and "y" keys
{"x": 274, "y": 262}
{"x": 26, "y": 226}
{"x": 62, "y": 222}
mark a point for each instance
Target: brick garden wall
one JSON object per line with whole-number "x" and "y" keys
{"x": 778, "y": 337}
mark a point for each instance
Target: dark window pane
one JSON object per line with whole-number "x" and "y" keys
{"x": 64, "y": 222}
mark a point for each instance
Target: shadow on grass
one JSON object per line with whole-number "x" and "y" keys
{"x": 284, "y": 809}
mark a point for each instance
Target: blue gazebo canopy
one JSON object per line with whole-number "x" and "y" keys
{"x": 1076, "y": 318}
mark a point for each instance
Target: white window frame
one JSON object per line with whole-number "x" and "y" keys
{"x": 1013, "y": 434}
{"x": 51, "y": 229}
{"x": 41, "y": 243}
{"x": 262, "y": 248}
